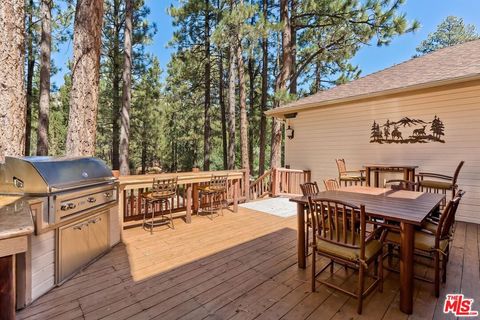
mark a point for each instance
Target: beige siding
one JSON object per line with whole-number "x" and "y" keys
{"x": 343, "y": 131}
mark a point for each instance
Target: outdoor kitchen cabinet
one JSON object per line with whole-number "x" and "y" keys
{"x": 74, "y": 205}
{"x": 80, "y": 243}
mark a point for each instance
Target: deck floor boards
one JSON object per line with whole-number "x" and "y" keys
{"x": 240, "y": 266}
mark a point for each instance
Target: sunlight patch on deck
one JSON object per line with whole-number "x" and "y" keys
{"x": 281, "y": 207}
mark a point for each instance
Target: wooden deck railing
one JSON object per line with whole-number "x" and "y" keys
{"x": 131, "y": 205}
{"x": 262, "y": 187}
{"x": 279, "y": 182}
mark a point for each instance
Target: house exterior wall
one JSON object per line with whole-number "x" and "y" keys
{"x": 344, "y": 131}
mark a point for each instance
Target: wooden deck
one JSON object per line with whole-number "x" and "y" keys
{"x": 239, "y": 266}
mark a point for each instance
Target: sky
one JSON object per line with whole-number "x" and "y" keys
{"x": 370, "y": 58}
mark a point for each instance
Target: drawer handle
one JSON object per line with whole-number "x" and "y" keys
{"x": 79, "y": 227}
{"x": 92, "y": 200}
{"x": 95, "y": 220}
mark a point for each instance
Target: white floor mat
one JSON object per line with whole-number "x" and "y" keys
{"x": 281, "y": 207}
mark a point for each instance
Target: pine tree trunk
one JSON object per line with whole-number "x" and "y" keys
{"x": 207, "y": 145}
{"x": 281, "y": 83}
{"x": 231, "y": 107}
{"x": 251, "y": 121}
{"x": 116, "y": 79}
{"x": 12, "y": 91}
{"x": 221, "y": 99}
{"x": 30, "y": 74}
{"x": 127, "y": 91}
{"x": 45, "y": 54}
{"x": 243, "y": 109}
{"x": 293, "y": 32}
{"x": 85, "y": 78}
{"x": 318, "y": 77}
{"x": 264, "y": 97}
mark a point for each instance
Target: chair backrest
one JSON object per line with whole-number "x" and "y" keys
{"x": 164, "y": 185}
{"x": 218, "y": 182}
{"x": 331, "y": 184}
{"x": 447, "y": 219}
{"x": 310, "y": 188}
{"x": 400, "y": 184}
{"x": 342, "y": 168}
{"x": 336, "y": 222}
{"x": 457, "y": 172}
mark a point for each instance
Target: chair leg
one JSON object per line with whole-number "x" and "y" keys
{"x": 171, "y": 215}
{"x": 153, "y": 217}
{"x": 361, "y": 283}
{"x": 389, "y": 254}
{"x": 380, "y": 272}
{"x": 314, "y": 263}
{"x": 437, "y": 274}
{"x": 306, "y": 239}
{"x": 145, "y": 215}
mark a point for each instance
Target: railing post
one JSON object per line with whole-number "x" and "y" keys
{"x": 274, "y": 182}
{"x": 195, "y": 193}
{"x": 188, "y": 216}
{"x": 246, "y": 183}
{"x": 121, "y": 208}
{"x": 236, "y": 188}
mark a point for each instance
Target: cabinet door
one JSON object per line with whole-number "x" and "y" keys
{"x": 98, "y": 234}
{"x": 73, "y": 249}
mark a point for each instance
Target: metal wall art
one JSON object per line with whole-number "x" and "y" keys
{"x": 408, "y": 130}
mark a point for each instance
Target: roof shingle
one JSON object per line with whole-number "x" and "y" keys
{"x": 454, "y": 62}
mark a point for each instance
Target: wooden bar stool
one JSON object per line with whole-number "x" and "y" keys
{"x": 160, "y": 196}
{"x": 214, "y": 195}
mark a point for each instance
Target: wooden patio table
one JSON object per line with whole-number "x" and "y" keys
{"x": 409, "y": 208}
{"x": 408, "y": 171}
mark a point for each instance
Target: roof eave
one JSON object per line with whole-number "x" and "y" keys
{"x": 280, "y": 112}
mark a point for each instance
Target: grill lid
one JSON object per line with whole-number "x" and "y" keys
{"x": 37, "y": 175}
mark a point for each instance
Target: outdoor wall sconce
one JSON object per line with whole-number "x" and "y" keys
{"x": 290, "y": 132}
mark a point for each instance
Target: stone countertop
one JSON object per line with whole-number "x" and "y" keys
{"x": 15, "y": 217}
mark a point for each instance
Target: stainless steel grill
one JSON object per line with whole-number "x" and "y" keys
{"x": 72, "y": 197}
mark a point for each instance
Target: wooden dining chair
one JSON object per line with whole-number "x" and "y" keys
{"x": 434, "y": 244}
{"x": 432, "y": 220}
{"x": 434, "y": 182}
{"x": 331, "y": 184}
{"x": 349, "y": 176}
{"x": 309, "y": 189}
{"x": 336, "y": 237}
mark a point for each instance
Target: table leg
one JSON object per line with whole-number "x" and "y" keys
{"x": 407, "y": 234}
{"x": 367, "y": 176}
{"x": 377, "y": 177}
{"x": 301, "y": 254}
